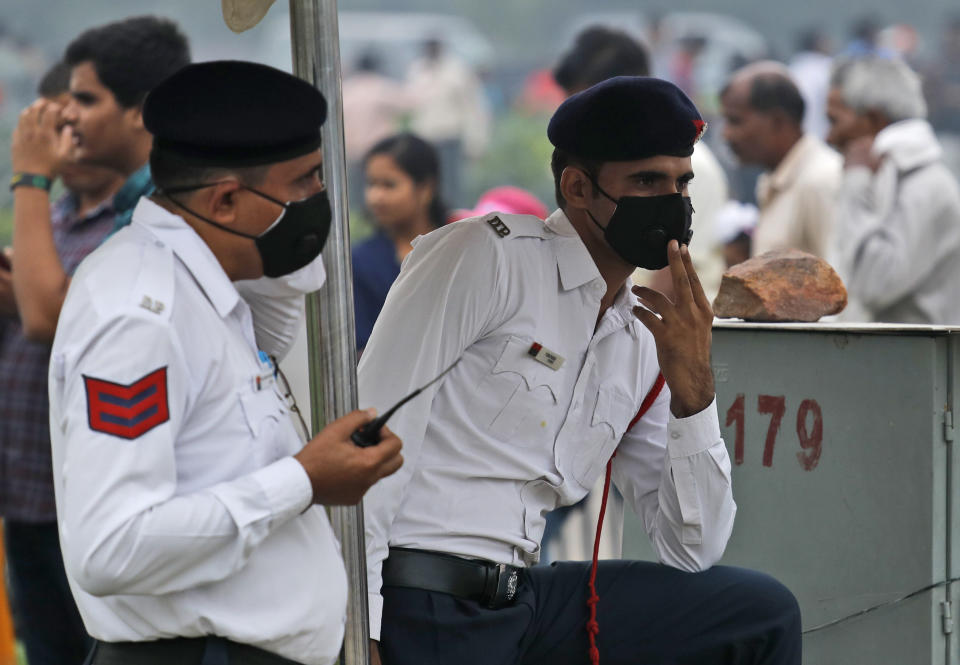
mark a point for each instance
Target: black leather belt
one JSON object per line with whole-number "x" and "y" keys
{"x": 493, "y": 585}
{"x": 183, "y": 651}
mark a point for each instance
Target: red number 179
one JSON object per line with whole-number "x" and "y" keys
{"x": 811, "y": 440}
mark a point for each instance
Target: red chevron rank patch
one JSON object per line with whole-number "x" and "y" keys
{"x": 127, "y": 411}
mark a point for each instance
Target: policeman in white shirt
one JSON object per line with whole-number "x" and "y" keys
{"x": 559, "y": 368}
{"x": 186, "y": 499}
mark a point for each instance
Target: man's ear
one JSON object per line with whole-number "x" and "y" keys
{"x": 220, "y": 201}
{"x": 576, "y": 187}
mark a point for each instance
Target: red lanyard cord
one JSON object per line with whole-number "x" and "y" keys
{"x": 593, "y": 627}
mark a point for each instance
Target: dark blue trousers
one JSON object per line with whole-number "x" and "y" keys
{"x": 649, "y": 614}
{"x": 46, "y": 616}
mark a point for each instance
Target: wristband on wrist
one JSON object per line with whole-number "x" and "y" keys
{"x": 22, "y": 179}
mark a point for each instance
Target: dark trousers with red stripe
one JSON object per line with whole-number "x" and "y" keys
{"x": 649, "y": 614}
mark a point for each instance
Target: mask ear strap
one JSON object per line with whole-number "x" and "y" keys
{"x": 267, "y": 197}
{"x": 166, "y": 195}
{"x": 593, "y": 181}
{"x": 594, "y": 220}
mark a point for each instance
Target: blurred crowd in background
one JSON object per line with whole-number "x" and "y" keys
{"x": 770, "y": 174}
{"x": 441, "y": 79}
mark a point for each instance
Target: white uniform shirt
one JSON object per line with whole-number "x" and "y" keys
{"x": 504, "y": 439}
{"x": 181, "y": 510}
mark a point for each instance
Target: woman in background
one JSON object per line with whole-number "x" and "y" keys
{"x": 402, "y": 196}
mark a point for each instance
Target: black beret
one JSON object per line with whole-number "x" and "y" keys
{"x": 627, "y": 118}
{"x": 233, "y": 113}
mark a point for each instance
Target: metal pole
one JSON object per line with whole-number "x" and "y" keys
{"x": 330, "y": 329}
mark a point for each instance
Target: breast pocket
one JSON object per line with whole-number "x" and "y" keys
{"x": 263, "y": 412}
{"x": 518, "y": 397}
{"x": 611, "y": 415}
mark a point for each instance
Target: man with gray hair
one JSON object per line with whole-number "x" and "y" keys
{"x": 898, "y": 228}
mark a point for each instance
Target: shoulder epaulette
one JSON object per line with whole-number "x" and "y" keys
{"x": 516, "y": 226}
{"x": 498, "y": 226}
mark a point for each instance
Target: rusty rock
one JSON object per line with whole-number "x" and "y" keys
{"x": 783, "y": 285}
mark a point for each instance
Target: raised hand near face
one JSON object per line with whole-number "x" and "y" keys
{"x": 682, "y": 329}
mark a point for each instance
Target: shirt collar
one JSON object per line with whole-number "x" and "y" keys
{"x": 138, "y": 184}
{"x": 578, "y": 268}
{"x": 190, "y": 248}
{"x": 125, "y": 200}
{"x": 623, "y": 306}
{"x": 573, "y": 260}
{"x": 908, "y": 144}
{"x": 787, "y": 170}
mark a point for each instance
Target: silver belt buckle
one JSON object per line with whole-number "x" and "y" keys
{"x": 507, "y": 581}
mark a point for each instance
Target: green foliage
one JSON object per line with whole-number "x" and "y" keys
{"x": 6, "y": 227}
{"x": 360, "y": 227}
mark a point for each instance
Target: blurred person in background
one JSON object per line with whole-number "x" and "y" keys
{"x": 943, "y": 93}
{"x": 505, "y": 199}
{"x": 898, "y": 227}
{"x": 735, "y": 225}
{"x": 810, "y": 70}
{"x": 94, "y": 143}
{"x": 683, "y": 64}
{"x": 540, "y": 93}
{"x": 373, "y": 105}
{"x": 449, "y": 110}
{"x": 864, "y": 33}
{"x": 112, "y": 69}
{"x": 945, "y": 81}
{"x": 599, "y": 53}
{"x": 764, "y": 111}
{"x": 402, "y": 175}
{"x": 50, "y": 626}
{"x": 900, "y": 40}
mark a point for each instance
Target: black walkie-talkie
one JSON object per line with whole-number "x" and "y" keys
{"x": 369, "y": 434}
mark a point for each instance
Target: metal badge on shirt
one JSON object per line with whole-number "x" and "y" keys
{"x": 544, "y": 355}
{"x": 266, "y": 377}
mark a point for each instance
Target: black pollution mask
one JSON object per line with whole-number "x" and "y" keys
{"x": 642, "y": 226}
{"x": 294, "y": 239}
